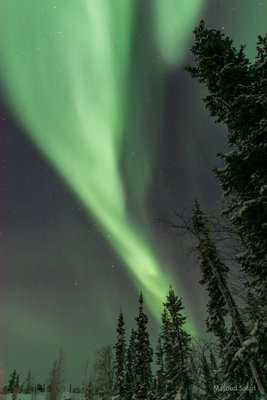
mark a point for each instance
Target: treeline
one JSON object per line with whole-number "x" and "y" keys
{"x": 124, "y": 371}
{"x": 234, "y": 367}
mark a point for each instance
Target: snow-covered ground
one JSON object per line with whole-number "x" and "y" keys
{"x": 42, "y": 396}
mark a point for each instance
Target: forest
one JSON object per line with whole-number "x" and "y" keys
{"x": 230, "y": 251}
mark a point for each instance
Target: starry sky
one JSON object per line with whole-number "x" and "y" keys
{"x": 102, "y": 132}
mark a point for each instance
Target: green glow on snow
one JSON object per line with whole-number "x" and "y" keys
{"x": 65, "y": 68}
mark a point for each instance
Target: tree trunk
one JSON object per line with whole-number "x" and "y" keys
{"x": 238, "y": 324}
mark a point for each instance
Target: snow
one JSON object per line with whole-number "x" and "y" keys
{"x": 23, "y": 396}
{"x": 42, "y": 396}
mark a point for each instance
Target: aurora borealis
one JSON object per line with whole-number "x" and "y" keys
{"x": 88, "y": 88}
{"x": 120, "y": 136}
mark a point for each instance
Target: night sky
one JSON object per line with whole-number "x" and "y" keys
{"x": 102, "y": 132}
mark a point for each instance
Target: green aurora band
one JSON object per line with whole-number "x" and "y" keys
{"x": 65, "y": 69}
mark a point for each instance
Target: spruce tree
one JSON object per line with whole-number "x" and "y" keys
{"x": 14, "y": 385}
{"x": 120, "y": 361}
{"x": 214, "y": 273}
{"x": 12, "y": 380}
{"x": 129, "y": 366}
{"x": 142, "y": 382}
{"x": 176, "y": 347}
{"x": 160, "y": 379}
{"x": 221, "y": 303}
{"x": 238, "y": 98}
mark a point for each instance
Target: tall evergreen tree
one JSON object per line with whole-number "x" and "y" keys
{"x": 14, "y": 378}
{"x": 129, "y": 366}
{"x": 160, "y": 379}
{"x": 14, "y": 385}
{"x": 238, "y": 98}
{"x": 221, "y": 302}
{"x": 120, "y": 360}
{"x": 214, "y": 275}
{"x": 176, "y": 347}
{"x": 142, "y": 383}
